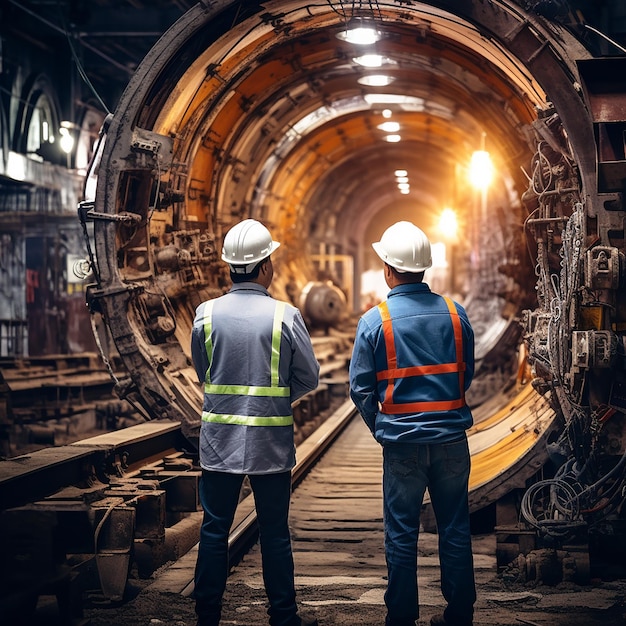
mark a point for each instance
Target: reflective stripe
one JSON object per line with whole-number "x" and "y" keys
{"x": 393, "y": 372}
{"x": 277, "y": 333}
{"x": 390, "y": 348}
{"x": 248, "y": 390}
{"x": 275, "y": 390}
{"x": 417, "y": 407}
{"x": 247, "y": 420}
{"x": 458, "y": 340}
{"x": 421, "y": 370}
{"x": 208, "y": 343}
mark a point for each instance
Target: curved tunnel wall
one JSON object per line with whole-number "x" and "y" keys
{"x": 255, "y": 110}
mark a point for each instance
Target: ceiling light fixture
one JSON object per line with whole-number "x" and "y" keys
{"x": 392, "y": 98}
{"x": 389, "y": 127}
{"x": 371, "y": 60}
{"x": 360, "y": 33}
{"x": 376, "y": 80}
{"x": 481, "y": 169}
{"x": 392, "y": 138}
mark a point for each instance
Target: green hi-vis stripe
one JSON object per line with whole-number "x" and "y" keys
{"x": 248, "y": 390}
{"x": 208, "y": 344}
{"x": 277, "y": 331}
{"x": 248, "y": 420}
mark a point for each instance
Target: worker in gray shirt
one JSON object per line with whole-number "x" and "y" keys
{"x": 254, "y": 356}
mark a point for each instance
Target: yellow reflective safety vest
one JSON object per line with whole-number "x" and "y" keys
{"x": 254, "y": 357}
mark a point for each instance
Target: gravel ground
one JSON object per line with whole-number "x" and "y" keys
{"x": 502, "y": 600}
{"x": 498, "y": 605}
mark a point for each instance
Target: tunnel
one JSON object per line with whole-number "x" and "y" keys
{"x": 270, "y": 110}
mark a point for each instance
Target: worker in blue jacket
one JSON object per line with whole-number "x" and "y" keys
{"x": 254, "y": 357}
{"x": 412, "y": 362}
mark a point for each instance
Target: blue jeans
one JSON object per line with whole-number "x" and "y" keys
{"x": 219, "y": 496}
{"x": 443, "y": 468}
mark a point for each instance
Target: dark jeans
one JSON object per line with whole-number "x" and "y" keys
{"x": 408, "y": 470}
{"x": 219, "y": 496}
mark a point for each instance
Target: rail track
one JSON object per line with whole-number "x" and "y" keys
{"x": 336, "y": 527}
{"x": 336, "y": 520}
{"x": 244, "y": 531}
{"x": 338, "y": 543}
{"x": 83, "y": 516}
{"x": 80, "y": 517}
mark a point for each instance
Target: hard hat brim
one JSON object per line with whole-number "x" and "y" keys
{"x": 395, "y": 263}
{"x": 248, "y": 266}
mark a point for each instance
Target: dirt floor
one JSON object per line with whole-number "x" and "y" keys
{"x": 337, "y": 537}
{"x": 338, "y": 601}
{"x": 602, "y": 604}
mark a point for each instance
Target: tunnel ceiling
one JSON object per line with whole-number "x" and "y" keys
{"x": 248, "y": 109}
{"x": 274, "y": 104}
{"x": 334, "y": 177}
{"x": 339, "y": 165}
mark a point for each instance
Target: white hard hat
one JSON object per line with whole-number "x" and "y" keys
{"x": 246, "y": 244}
{"x": 405, "y": 247}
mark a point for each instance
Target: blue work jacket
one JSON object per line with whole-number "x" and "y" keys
{"x": 254, "y": 356}
{"x": 425, "y": 342}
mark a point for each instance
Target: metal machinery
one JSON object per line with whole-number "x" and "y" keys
{"x": 255, "y": 109}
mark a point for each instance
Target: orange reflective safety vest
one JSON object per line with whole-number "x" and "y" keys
{"x": 393, "y": 373}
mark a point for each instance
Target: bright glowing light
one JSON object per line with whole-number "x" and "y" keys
{"x": 389, "y": 127}
{"x": 392, "y": 138}
{"x": 387, "y": 113}
{"x": 16, "y": 166}
{"x": 481, "y": 169}
{"x": 393, "y": 98}
{"x": 67, "y": 141}
{"x": 376, "y": 80}
{"x": 370, "y": 60}
{"x": 438, "y": 251}
{"x": 360, "y": 35}
{"x": 402, "y": 179}
{"x": 401, "y": 173}
{"x": 403, "y": 186}
{"x": 448, "y": 224}
{"x": 404, "y": 191}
